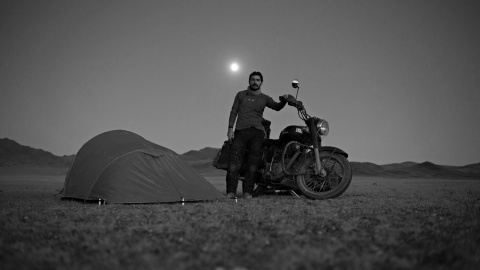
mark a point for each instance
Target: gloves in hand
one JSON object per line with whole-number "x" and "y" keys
{"x": 299, "y": 105}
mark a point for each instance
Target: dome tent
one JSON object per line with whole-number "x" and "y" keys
{"x": 122, "y": 167}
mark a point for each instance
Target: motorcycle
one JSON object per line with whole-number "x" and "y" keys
{"x": 298, "y": 162}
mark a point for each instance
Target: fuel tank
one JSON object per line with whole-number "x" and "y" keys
{"x": 294, "y": 133}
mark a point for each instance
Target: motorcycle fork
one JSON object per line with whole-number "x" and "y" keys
{"x": 317, "y": 142}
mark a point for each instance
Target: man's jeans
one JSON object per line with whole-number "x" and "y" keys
{"x": 248, "y": 141}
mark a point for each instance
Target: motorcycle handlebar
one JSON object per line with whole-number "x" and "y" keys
{"x": 292, "y": 101}
{"x": 295, "y": 103}
{"x": 299, "y": 105}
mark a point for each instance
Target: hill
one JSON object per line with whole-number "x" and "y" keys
{"x": 366, "y": 168}
{"x": 395, "y": 166}
{"x": 201, "y": 160}
{"x": 431, "y": 170}
{"x": 12, "y": 154}
{"x": 205, "y": 153}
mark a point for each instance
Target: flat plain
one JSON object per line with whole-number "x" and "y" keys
{"x": 378, "y": 223}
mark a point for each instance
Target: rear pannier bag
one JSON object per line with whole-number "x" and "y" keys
{"x": 221, "y": 159}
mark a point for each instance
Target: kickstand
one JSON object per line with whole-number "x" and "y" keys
{"x": 294, "y": 194}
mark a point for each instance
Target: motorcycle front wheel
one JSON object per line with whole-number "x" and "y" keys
{"x": 336, "y": 181}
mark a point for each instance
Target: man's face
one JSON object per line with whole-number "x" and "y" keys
{"x": 255, "y": 82}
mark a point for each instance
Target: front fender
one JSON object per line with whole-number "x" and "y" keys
{"x": 334, "y": 149}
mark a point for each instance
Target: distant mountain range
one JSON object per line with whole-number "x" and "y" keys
{"x": 418, "y": 170}
{"x": 201, "y": 160}
{"x": 13, "y": 154}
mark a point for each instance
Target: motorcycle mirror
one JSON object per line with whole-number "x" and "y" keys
{"x": 295, "y": 83}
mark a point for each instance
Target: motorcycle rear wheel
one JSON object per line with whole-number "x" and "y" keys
{"x": 334, "y": 184}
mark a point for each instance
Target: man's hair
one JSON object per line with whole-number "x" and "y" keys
{"x": 256, "y": 73}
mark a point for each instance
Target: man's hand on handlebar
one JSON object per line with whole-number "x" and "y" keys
{"x": 299, "y": 105}
{"x": 292, "y": 101}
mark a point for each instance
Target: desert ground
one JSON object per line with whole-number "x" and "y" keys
{"x": 378, "y": 223}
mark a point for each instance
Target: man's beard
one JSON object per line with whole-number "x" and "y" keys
{"x": 254, "y": 87}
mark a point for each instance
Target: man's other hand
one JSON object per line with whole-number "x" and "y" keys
{"x": 230, "y": 134}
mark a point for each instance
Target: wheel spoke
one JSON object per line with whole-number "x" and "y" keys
{"x": 331, "y": 167}
{"x": 319, "y": 185}
{"x": 314, "y": 184}
{"x": 323, "y": 185}
{"x": 332, "y": 184}
{"x": 336, "y": 171}
{"x": 331, "y": 180}
{"x": 335, "y": 174}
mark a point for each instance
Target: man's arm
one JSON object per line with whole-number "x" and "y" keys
{"x": 277, "y": 106}
{"x": 233, "y": 116}
{"x": 234, "y": 111}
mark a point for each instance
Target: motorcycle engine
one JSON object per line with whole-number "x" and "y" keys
{"x": 276, "y": 172}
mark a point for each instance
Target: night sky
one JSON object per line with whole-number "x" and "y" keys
{"x": 397, "y": 80}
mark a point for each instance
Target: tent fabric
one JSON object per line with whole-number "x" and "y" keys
{"x": 122, "y": 167}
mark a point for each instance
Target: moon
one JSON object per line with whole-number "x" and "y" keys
{"x": 234, "y": 67}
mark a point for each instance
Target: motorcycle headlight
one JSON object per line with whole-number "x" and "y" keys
{"x": 322, "y": 127}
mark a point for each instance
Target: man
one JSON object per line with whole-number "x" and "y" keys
{"x": 247, "y": 112}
